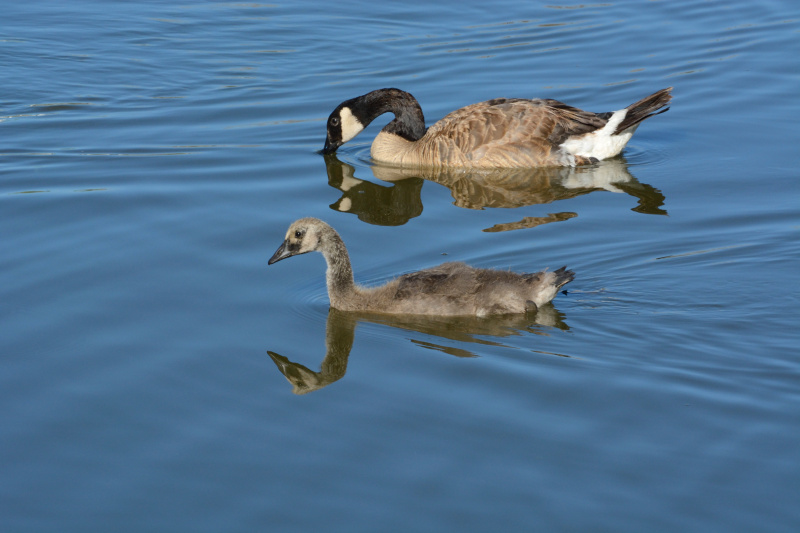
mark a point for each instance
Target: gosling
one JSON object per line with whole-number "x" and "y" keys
{"x": 450, "y": 289}
{"x": 499, "y": 133}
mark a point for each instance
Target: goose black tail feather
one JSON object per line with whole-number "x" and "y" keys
{"x": 645, "y": 108}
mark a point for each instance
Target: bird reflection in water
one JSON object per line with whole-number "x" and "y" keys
{"x": 340, "y": 333}
{"x": 396, "y": 204}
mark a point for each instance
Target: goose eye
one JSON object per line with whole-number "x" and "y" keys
{"x": 334, "y": 122}
{"x": 298, "y": 234}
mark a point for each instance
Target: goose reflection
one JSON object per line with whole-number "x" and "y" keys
{"x": 380, "y": 205}
{"x": 341, "y": 326}
{"x": 399, "y": 202}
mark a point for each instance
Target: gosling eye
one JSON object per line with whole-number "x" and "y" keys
{"x": 298, "y": 234}
{"x": 335, "y": 121}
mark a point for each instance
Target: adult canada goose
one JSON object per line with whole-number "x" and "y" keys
{"x": 450, "y": 289}
{"x": 504, "y": 132}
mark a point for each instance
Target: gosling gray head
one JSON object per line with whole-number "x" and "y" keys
{"x": 303, "y": 236}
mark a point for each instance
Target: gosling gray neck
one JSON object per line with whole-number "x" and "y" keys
{"x": 339, "y": 276}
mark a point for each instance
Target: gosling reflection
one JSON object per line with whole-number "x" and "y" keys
{"x": 340, "y": 332}
{"x": 502, "y": 188}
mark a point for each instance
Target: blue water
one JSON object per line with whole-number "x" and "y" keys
{"x": 153, "y": 154}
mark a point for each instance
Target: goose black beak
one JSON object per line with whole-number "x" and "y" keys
{"x": 281, "y": 253}
{"x": 330, "y": 147}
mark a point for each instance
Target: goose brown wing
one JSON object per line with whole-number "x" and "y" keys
{"x": 528, "y": 126}
{"x": 571, "y": 121}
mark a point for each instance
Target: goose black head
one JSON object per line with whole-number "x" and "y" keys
{"x": 343, "y": 125}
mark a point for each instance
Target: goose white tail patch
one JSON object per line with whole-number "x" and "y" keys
{"x": 601, "y": 144}
{"x": 351, "y": 126}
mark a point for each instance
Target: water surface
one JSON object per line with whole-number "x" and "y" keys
{"x": 153, "y": 155}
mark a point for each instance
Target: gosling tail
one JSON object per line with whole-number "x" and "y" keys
{"x": 563, "y": 276}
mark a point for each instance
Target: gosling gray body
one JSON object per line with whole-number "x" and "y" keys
{"x": 498, "y": 133}
{"x": 450, "y": 289}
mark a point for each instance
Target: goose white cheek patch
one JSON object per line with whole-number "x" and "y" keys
{"x": 350, "y": 124}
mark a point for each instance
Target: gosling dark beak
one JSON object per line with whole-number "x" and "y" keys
{"x": 330, "y": 147}
{"x": 281, "y": 253}
{"x": 280, "y": 361}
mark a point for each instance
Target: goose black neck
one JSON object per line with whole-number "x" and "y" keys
{"x": 409, "y": 122}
